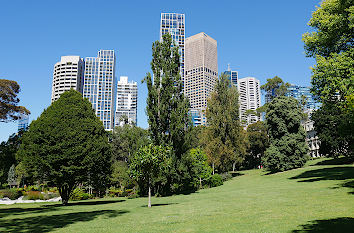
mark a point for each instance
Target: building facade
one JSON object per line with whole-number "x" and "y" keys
{"x": 100, "y": 85}
{"x": 68, "y": 74}
{"x": 249, "y": 99}
{"x": 23, "y": 122}
{"x": 201, "y": 71}
{"x": 311, "y": 135}
{"x": 299, "y": 92}
{"x": 174, "y": 24}
{"x": 232, "y": 75}
{"x": 127, "y": 101}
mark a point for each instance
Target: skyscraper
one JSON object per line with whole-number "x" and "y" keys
{"x": 23, "y": 122}
{"x": 250, "y": 99}
{"x": 232, "y": 75}
{"x": 299, "y": 92}
{"x": 99, "y": 85}
{"x": 127, "y": 98}
{"x": 201, "y": 71}
{"x": 174, "y": 24}
{"x": 67, "y": 74}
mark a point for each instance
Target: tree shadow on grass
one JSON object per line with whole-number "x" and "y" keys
{"x": 51, "y": 222}
{"x": 161, "y": 204}
{"x": 333, "y": 173}
{"x": 335, "y": 161}
{"x": 51, "y": 207}
{"x": 336, "y": 225}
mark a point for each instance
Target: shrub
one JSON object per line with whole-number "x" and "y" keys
{"x": 33, "y": 195}
{"x": 79, "y": 194}
{"x": 215, "y": 180}
{"x": 113, "y": 192}
{"x": 226, "y": 176}
{"x": 12, "y": 193}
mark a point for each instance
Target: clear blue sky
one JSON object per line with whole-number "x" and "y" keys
{"x": 258, "y": 38}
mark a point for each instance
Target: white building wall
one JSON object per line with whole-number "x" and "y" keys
{"x": 249, "y": 99}
{"x": 127, "y": 101}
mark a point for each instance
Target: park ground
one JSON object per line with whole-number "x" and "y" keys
{"x": 316, "y": 198}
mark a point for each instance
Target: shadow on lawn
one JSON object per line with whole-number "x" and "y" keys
{"x": 335, "y": 161}
{"x": 333, "y": 173}
{"x": 46, "y": 223}
{"x": 161, "y": 204}
{"x": 49, "y": 207}
{"x": 336, "y": 225}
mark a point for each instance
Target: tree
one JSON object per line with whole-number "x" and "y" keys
{"x": 222, "y": 138}
{"x": 167, "y": 108}
{"x": 9, "y": 100}
{"x": 67, "y": 145}
{"x": 275, "y": 87}
{"x": 126, "y": 140}
{"x": 331, "y": 44}
{"x": 11, "y": 178}
{"x": 288, "y": 148}
{"x": 147, "y": 163}
{"x": 258, "y": 143}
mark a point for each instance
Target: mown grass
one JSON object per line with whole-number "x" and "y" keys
{"x": 316, "y": 198}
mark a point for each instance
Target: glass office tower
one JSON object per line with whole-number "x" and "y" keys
{"x": 298, "y": 91}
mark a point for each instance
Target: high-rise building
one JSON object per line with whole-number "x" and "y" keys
{"x": 174, "y": 24}
{"x": 201, "y": 71}
{"x": 100, "y": 85}
{"x": 23, "y": 122}
{"x": 232, "y": 75}
{"x": 68, "y": 74}
{"x": 250, "y": 99}
{"x": 127, "y": 99}
{"x": 299, "y": 92}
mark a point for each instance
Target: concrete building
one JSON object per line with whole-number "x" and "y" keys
{"x": 99, "y": 85}
{"x": 311, "y": 135}
{"x": 67, "y": 74}
{"x": 298, "y": 92}
{"x": 201, "y": 71}
{"x": 174, "y": 24}
{"x": 250, "y": 99}
{"x": 23, "y": 122}
{"x": 127, "y": 101}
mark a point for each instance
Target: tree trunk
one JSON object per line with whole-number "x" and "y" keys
{"x": 200, "y": 182}
{"x": 65, "y": 192}
{"x": 233, "y": 166}
{"x": 213, "y": 168}
{"x": 149, "y": 204}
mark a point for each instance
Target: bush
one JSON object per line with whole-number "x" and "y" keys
{"x": 79, "y": 194}
{"x": 33, "y": 195}
{"x": 226, "y": 176}
{"x": 12, "y": 193}
{"x": 215, "y": 180}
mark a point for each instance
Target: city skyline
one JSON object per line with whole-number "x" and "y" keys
{"x": 251, "y": 57}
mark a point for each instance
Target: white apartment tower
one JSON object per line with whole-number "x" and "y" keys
{"x": 250, "y": 98}
{"x": 67, "y": 74}
{"x": 174, "y": 24}
{"x": 201, "y": 70}
{"x": 99, "y": 85}
{"x": 127, "y": 99}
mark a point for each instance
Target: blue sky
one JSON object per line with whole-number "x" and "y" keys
{"x": 258, "y": 38}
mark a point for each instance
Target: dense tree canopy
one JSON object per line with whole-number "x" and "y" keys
{"x": 288, "y": 148}
{"x": 9, "y": 100}
{"x": 275, "y": 86}
{"x": 223, "y": 139}
{"x": 67, "y": 145}
{"x": 332, "y": 81}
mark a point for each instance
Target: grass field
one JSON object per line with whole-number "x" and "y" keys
{"x": 316, "y": 198}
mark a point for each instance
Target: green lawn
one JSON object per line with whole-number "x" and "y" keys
{"x": 316, "y": 198}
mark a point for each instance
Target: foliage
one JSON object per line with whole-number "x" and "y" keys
{"x": 126, "y": 140}
{"x": 167, "y": 108}
{"x": 226, "y": 176}
{"x": 215, "y": 180}
{"x": 8, "y": 101}
{"x": 288, "y": 148}
{"x": 67, "y": 145}
{"x": 258, "y": 143}
{"x": 80, "y": 194}
{"x": 8, "y": 151}
{"x": 223, "y": 138}
{"x": 11, "y": 177}
{"x": 11, "y": 193}
{"x": 332, "y": 81}
{"x": 147, "y": 163}
{"x": 276, "y": 87}
{"x": 120, "y": 175}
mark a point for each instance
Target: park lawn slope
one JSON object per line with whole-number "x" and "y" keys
{"x": 316, "y": 198}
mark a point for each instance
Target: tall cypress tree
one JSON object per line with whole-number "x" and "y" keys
{"x": 167, "y": 108}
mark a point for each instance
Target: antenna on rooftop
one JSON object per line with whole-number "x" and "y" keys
{"x": 228, "y": 67}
